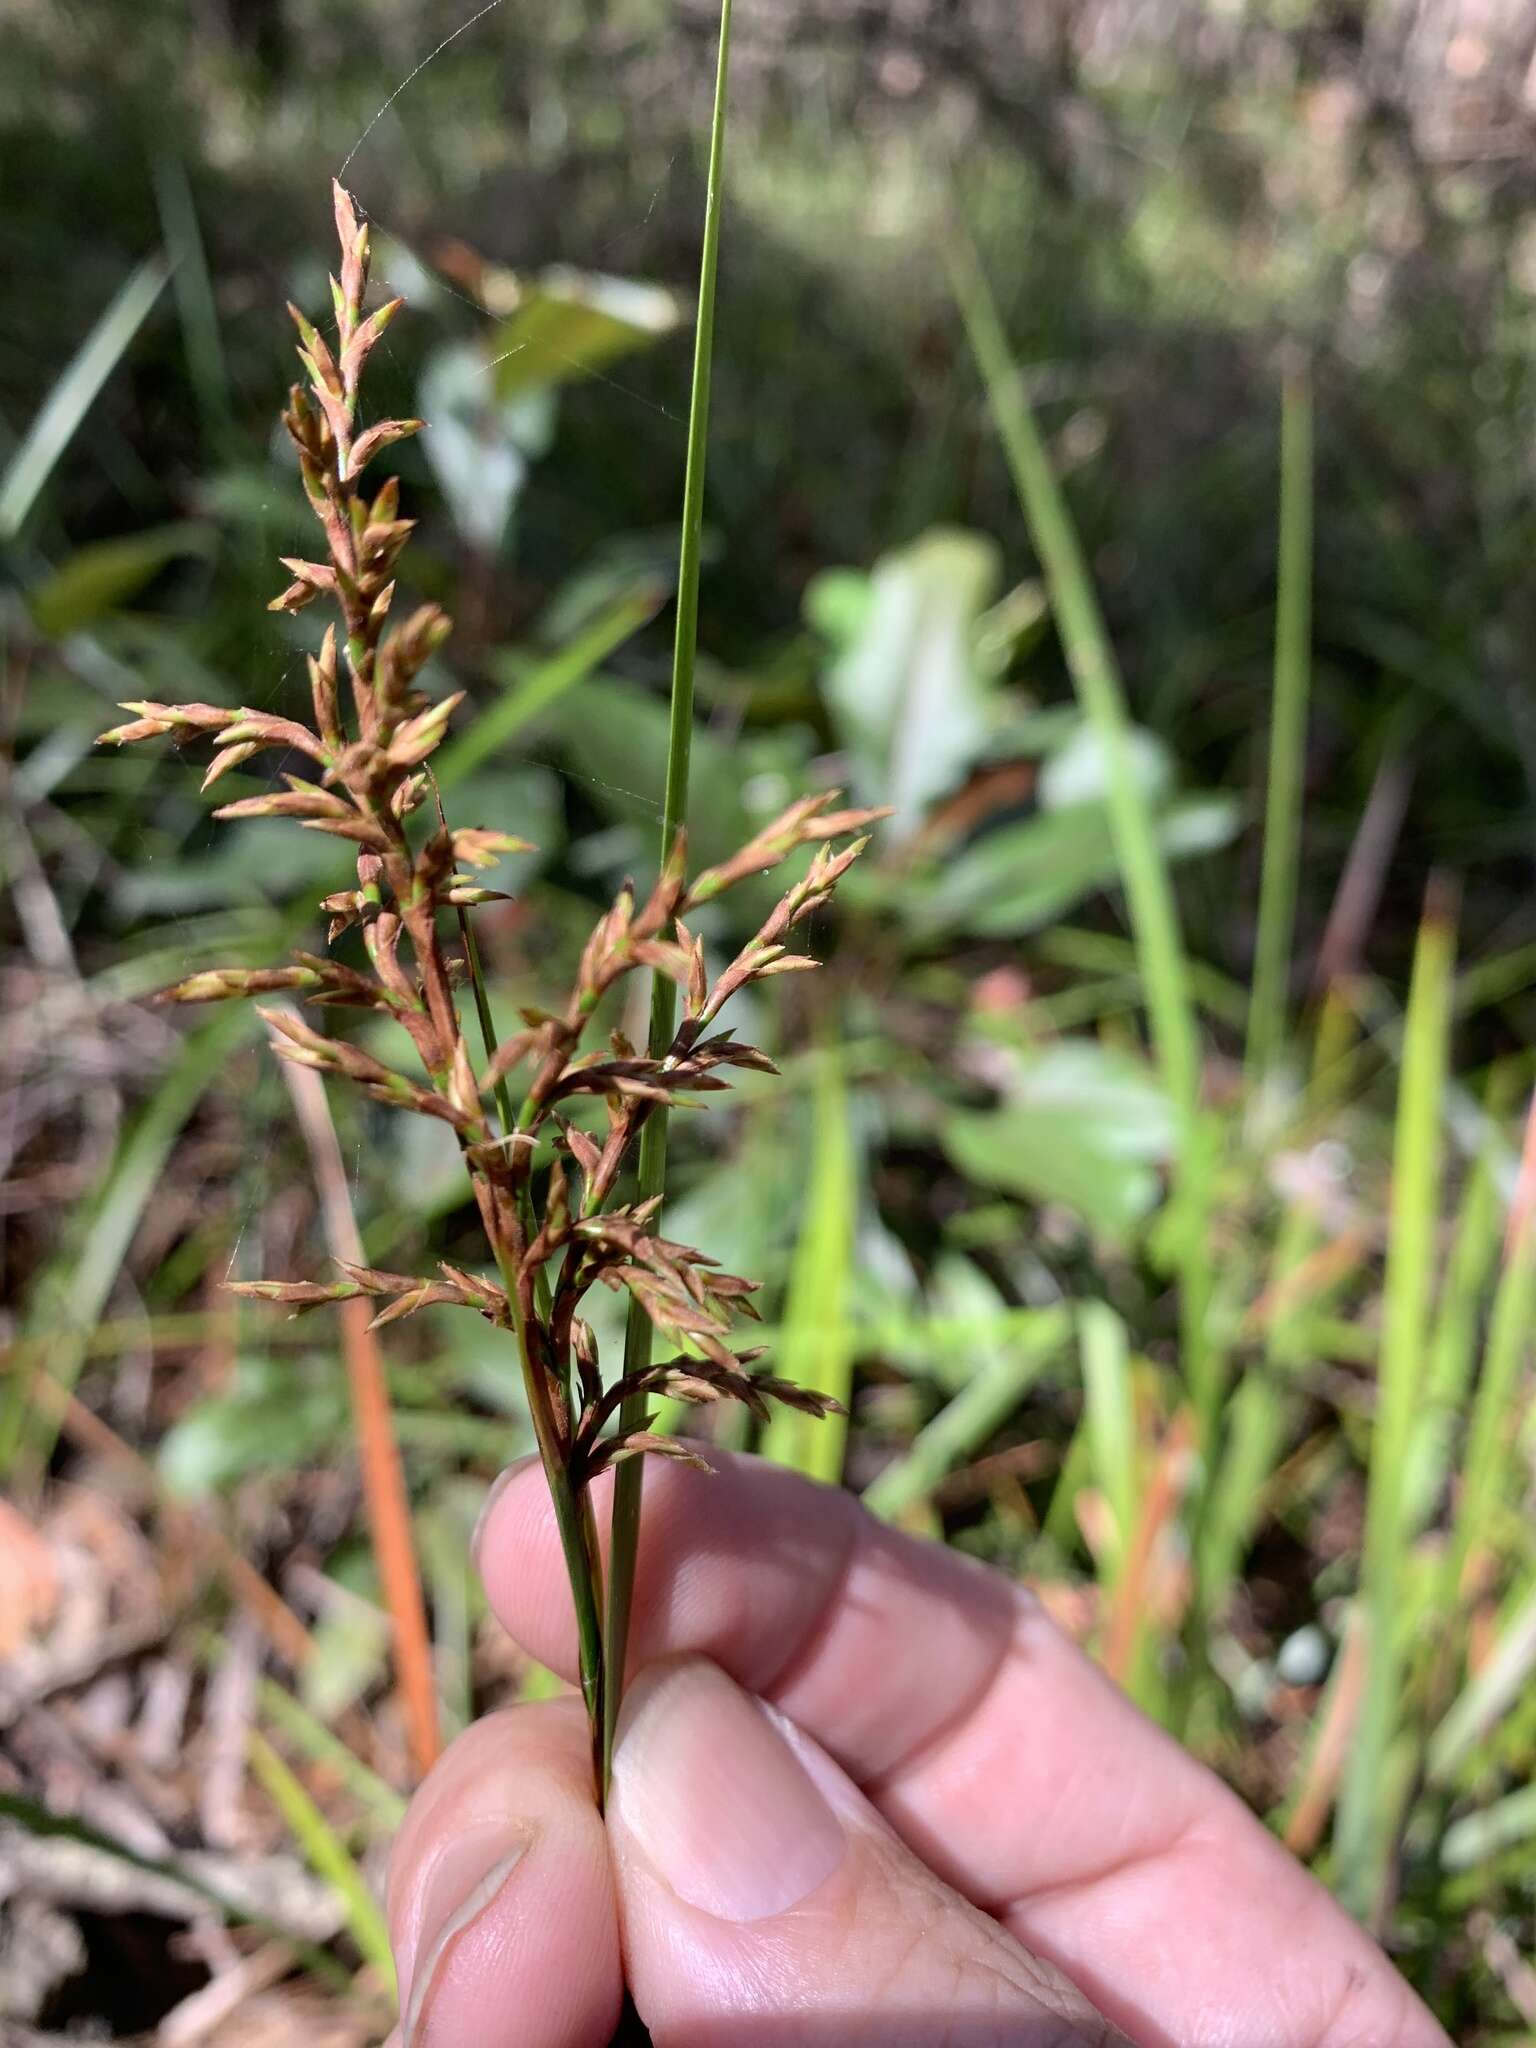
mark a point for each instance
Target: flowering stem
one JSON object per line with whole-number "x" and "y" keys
{"x": 653, "y": 1138}
{"x": 568, "y": 1515}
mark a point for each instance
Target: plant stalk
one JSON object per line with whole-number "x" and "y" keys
{"x": 1288, "y": 728}
{"x": 653, "y": 1138}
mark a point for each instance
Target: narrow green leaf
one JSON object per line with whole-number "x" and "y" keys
{"x": 1009, "y": 1368}
{"x": 326, "y": 1854}
{"x": 1366, "y": 1823}
{"x": 316, "y": 1740}
{"x": 1488, "y": 1461}
{"x": 196, "y": 303}
{"x": 1288, "y": 727}
{"x": 64, "y": 410}
{"x": 1453, "y": 1349}
{"x": 1479, "y": 1837}
{"x": 1110, "y": 1414}
{"x": 71, "y": 1295}
{"x": 816, "y": 1342}
{"x": 533, "y": 690}
{"x": 1161, "y": 957}
{"x": 104, "y": 576}
{"x": 1502, "y": 1681}
{"x": 1096, "y": 676}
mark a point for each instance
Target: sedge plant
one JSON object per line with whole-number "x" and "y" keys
{"x": 552, "y": 1233}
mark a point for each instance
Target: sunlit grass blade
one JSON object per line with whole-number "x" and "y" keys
{"x": 1095, "y": 672}
{"x": 816, "y": 1341}
{"x": 195, "y": 301}
{"x": 1469, "y": 1270}
{"x": 1109, "y": 1410}
{"x": 1256, "y": 1419}
{"x": 1502, "y": 1680}
{"x": 1252, "y": 1442}
{"x": 1009, "y": 1368}
{"x": 1366, "y": 1819}
{"x": 653, "y": 1143}
{"x": 498, "y": 723}
{"x": 67, "y": 404}
{"x": 69, "y": 1298}
{"x": 326, "y": 1854}
{"x": 279, "y": 1706}
{"x": 1478, "y": 1837}
{"x": 1288, "y": 727}
{"x": 1488, "y": 1460}
{"x": 1096, "y": 677}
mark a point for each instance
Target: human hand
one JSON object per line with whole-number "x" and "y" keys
{"x": 946, "y": 1826}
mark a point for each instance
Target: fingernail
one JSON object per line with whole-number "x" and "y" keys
{"x": 466, "y": 1877}
{"x": 497, "y": 1488}
{"x": 716, "y": 1799}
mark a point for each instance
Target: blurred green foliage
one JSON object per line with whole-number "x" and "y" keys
{"x": 1174, "y": 1358}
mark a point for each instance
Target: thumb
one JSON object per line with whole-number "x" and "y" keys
{"x": 764, "y": 1902}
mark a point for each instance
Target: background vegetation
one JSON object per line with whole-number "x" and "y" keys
{"x": 1171, "y": 1249}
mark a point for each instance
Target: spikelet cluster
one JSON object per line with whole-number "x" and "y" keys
{"x": 367, "y": 773}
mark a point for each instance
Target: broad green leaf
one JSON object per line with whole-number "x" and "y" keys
{"x": 613, "y": 737}
{"x": 1001, "y": 1372}
{"x": 906, "y": 690}
{"x": 1081, "y": 1125}
{"x": 261, "y": 860}
{"x": 1027, "y": 875}
{"x": 1078, "y": 771}
{"x": 481, "y": 445}
{"x": 572, "y": 323}
{"x": 275, "y": 1417}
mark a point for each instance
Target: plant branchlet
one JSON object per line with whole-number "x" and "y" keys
{"x": 375, "y": 728}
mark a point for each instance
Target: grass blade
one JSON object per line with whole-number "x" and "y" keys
{"x": 1478, "y": 1837}
{"x": 62, "y": 412}
{"x": 1096, "y": 678}
{"x": 1453, "y": 1351}
{"x": 1160, "y": 955}
{"x": 816, "y": 1345}
{"x": 72, "y": 1294}
{"x": 326, "y": 1854}
{"x": 975, "y": 1413}
{"x": 496, "y": 725}
{"x": 1288, "y": 727}
{"x": 1366, "y": 1824}
{"x": 295, "y": 1720}
{"x": 196, "y": 303}
{"x": 1498, "y": 1686}
{"x": 1110, "y": 1414}
{"x": 1496, "y": 1411}
{"x": 653, "y": 1142}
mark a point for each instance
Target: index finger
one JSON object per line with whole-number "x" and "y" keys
{"x": 1001, "y": 1754}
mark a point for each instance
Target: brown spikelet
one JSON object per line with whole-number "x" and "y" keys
{"x": 554, "y": 1219}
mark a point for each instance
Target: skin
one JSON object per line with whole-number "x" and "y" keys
{"x": 865, "y": 1791}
